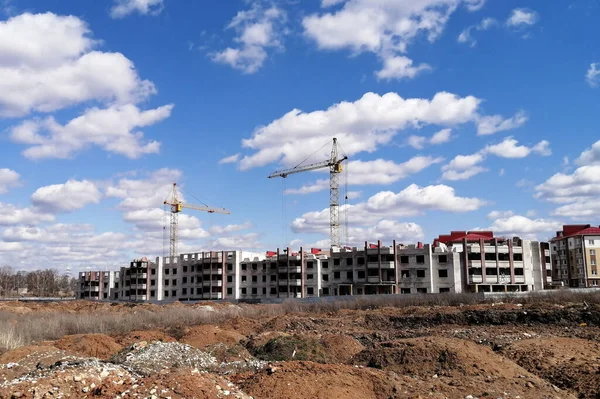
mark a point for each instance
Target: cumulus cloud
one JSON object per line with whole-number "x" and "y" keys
{"x": 509, "y": 149}
{"x": 8, "y": 178}
{"x": 244, "y": 241}
{"x": 47, "y": 63}
{"x": 379, "y": 171}
{"x": 148, "y": 191}
{"x": 258, "y": 29}
{"x": 413, "y": 200}
{"x": 230, "y": 159}
{"x": 496, "y": 123}
{"x": 66, "y": 197}
{"x": 592, "y": 77}
{"x": 524, "y": 227}
{"x": 385, "y": 28}
{"x": 397, "y": 67}
{"x": 590, "y": 156}
{"x": 466, "y": 35}
{"x": 463, "y": 167}
{"x": 112, "y": 129}
{"x": 418, "y": 142}
{"x": 12, "y": 215}
{"x": 122, "y": 8}
{"x": 520, "y": 17}
{"x": 230, "y": 228}
{"x": 360, "y": 126}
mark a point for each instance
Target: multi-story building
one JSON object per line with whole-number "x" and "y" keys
{"x": 283, "y": 274}
{"x": 494, "y": 264}
{"x": 458, "y": 262}
{"x": 574, "y": 254}
{"x": 97, "y": 285}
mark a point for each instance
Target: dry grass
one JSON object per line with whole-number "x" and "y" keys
{"x": 17, "y": 329}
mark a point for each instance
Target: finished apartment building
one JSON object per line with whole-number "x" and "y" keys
{"x": 461, "y": 261}
{"x": 574, "y": 254}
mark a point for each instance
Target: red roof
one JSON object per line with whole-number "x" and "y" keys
{"x": 576, "y": 230}
{"x": 459, "y": 236}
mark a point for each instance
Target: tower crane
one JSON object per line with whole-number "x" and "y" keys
{"x": 334, "y": 163}
{"x": 176, "y": 207}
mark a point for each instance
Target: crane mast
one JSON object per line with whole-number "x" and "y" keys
{"x": 176, "y": 207}
{"x": 334, "y": 163}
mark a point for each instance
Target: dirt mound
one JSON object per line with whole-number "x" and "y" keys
{"x": 94, "y": 345}
{"x": 437, "y": 356}
{"x": 568, "y": 363}
{"x": 201, "y": 336}
{"x": 317, "y": 381}
{"x": 290, "y": 347}
{"x": 340, "y": 348}
{"x": 148, "y": 336}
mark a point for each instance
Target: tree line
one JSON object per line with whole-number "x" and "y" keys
{"x": 39, "y": 283}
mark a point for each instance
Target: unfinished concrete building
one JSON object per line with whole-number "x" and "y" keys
{"x": 97, "y": 285}
{"x": 458, "y": 262}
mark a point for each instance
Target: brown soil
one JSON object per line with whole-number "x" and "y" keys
{"x": 568, "y": 363}
{"x": 201, "y": 336}
{"x": 148, "y": 336}
{"x": 484, "y": 351}
{"x": 94, "y": 345}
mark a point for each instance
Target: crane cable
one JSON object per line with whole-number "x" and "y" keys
{"x": 283, "y": 213}
{"x": 345, "y": 212}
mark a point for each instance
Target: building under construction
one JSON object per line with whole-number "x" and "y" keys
{"x": 458, "y": 262}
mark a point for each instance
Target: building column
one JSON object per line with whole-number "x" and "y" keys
{"x": 483, "y": 262}
{"x": 511, "y": 261}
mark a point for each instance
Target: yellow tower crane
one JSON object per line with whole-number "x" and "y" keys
{"x": 176, "y": 207}
{"x": 334, "y": 164}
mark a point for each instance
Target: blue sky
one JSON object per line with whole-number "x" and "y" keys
{"x": 455, "y": 115}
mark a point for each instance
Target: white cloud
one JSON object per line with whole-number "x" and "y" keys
{"x": 385, "y": 28}
{"x": 500, "y": 214}
{"x": 443, "y": 136}
{"x": 398, "y": 67}
{"x": 47, "y": 63}
{"x": 592, "y": 76}
{"x": 524, "y": 227}
{"x": 496, "y": 123}
{"x": 387, "y": 205}
{"x": 122, "y": 8}
{"x": 583, "y": 184}
{"x": 418, "y": 142}
{"x": 379, "y": 171}
{"x": 145, "y": 193}
{"x": 258, "y": 29}
{"x": 353, "y": 194}
{"x": 230, "y": 159}
{"x": 245, "y": 241}
{"x": 152, "y": 221}
{"x": 11, "y": 215}
{"x": 66, "y": 197}
{"x": 509, "y": 149}
{"x": 76, "y": 246}
{"x": 522, "y": 17}
{"x": 474, "y": 5}
{"x": 112, "y": 129}
{"x": 230, "y": 228}
{"x": 360, "y": 126}
{"x": 501, "y": 172}
{"x": 8, "y": 178}
{"x": 466, "y": 36}
{"x": 590, "y": 156}
{"x": 463, "y": 167}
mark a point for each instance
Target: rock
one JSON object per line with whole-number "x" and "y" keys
{"x": 152, "y": 391}
{"x": 17, "y": 395}
{"x": 77, "y": 378}
{"x": 556, "y": 389}
{"x": 85, "y": 389}
{"x": 530, "y": 385}
{"x": 92, "y": 386}
{"x": 218, "y": 387}
{"x": 104, "y": 374}
{"x": 272, "y": 369}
